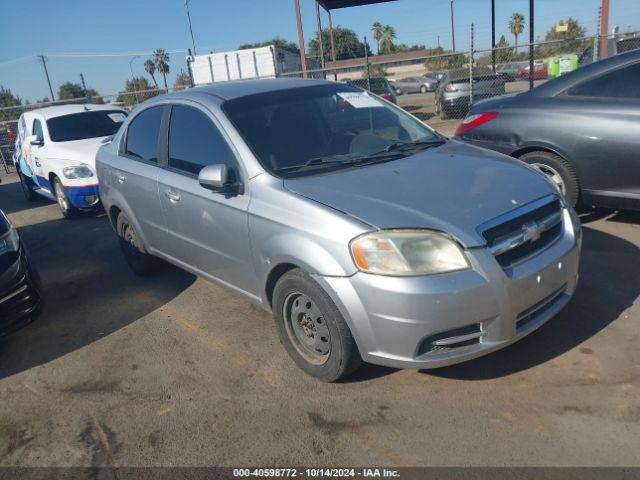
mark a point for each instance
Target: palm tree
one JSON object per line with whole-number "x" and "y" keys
{"x": 386, "y": 41}
{"x": 376, "y": 33}
{"x": 150, "y": 68}
{"x": 161, "y": 59}
{"x": 516, "y": 26}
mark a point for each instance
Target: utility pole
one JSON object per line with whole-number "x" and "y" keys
{"x": 438, "y": 41}
{"x": 320, "y": 45}
{"x": 531, "y": 39}
{"x": 193, "y": 42}
{"x": 453, "y": 33}
{"x": 84, "y": 87}
{"x": 493, "y": 35}
{"x": 133, "y": 78}
{"x": 43, "y": 59}
{"x": 604, "y": 29}
{"x": 303, "y": 55}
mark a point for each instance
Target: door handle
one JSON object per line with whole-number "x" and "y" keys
{"x": 121, "y": 178}
{"x": 172, "y": 196}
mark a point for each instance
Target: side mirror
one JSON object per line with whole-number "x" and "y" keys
{"x": 214, "y": 177}
{"x": 34, "y": 140}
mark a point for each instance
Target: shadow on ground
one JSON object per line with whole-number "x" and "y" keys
{"x": 12, "y": 199}
{"x": 89, "y": 291}
{"x": 605, "y": 290}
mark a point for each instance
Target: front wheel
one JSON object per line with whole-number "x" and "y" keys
{"x": 559, "y": 171}
{"x": 312, "y": 329}
{"x": 27, "y": 187}
{"x": 66, "y": 207}
{"x": 423, "y": 89}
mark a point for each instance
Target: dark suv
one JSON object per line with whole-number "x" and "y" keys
{"x": 378, "y": 85}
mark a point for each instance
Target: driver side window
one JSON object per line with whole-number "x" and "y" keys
{"x": 37, "y": 129}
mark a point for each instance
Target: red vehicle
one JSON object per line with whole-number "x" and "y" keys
{"x": 539, "y": 71}
{"x": 8, "y": 132}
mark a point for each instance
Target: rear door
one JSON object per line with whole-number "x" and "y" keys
{"x": 207, "y": 230}
{"x": 605, "y": 117}
{"x": 135, "y": 175}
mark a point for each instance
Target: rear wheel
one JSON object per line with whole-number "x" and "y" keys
{"x": 138, "y": 260}
{"x": 444, "y": 115}
{"x": 559, "y": 171}
{"x": 27, "y": 187}
{"x": 66, "y": 207}
{"x": 312, "y": 329}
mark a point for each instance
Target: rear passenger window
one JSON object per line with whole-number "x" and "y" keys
{"x": 622, "y": 83}
{"x": 142, "y": 135}
{"x": 195, "y": 142}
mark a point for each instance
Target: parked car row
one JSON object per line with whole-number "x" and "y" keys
{"x": 368, "y": 235}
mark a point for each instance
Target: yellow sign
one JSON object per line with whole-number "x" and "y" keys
{"x": 562, "y": 28}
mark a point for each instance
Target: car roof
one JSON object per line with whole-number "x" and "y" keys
{"x": 60, "y": 110}
{"x": 559, "y": 84}
{"x": 242, "y": 88}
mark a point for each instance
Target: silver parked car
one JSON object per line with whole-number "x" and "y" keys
{"x": 453, "y": 95}
{"x": 367, "y": 234}
{"x": 421, "y": 84}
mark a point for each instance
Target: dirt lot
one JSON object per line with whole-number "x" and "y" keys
{"x": 171, "y": 370}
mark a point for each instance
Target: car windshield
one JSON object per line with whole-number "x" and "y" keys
{"x": 78, "y": 126}
{"x": 300, "y": 131}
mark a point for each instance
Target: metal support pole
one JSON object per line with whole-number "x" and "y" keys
{"x": 43, "y": 59}
{"x": 453, "y": 33}
{"x": 193, "y": 42}
{"x": 471, "y": 69}
{"x": 604, "y": 29}
{"x": 333, "y": 47}
{"x": 366, "y": 62}
{"x": 84, "y": 88}
{"x": 303, "y": 55}
{"x": 531, "y": 40}
{"x": 493, "y": 35}
{"x": 320, "y": 45}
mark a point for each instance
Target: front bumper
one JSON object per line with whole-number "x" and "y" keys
{"x": 395, "y": 320}
{"x": 20, "y": 294}
{"x": 85, "y": 196}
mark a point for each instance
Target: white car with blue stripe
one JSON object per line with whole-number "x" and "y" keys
{"x": 56, "y": 149}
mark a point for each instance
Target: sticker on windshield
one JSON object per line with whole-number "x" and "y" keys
{"x": 360, "y": 100}
{"x": 117, "y": 117}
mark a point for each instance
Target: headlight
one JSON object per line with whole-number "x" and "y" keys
{"x": 407, "y": 252}
{"x": 79, "y": 171}
{"x": 10, "y": 242}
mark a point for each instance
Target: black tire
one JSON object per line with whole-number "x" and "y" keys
{"x": 66, "y": 207}
{"x": 140, "y": 262}
{"x": 27, "y": 187}
{"x": 342, "y": 357}
{"x": 423, "y": 89}
{"x": 562, "y": 167}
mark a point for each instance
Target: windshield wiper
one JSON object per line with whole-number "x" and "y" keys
{"x": 328, "y": 160}
{"x": 400, "y": 146}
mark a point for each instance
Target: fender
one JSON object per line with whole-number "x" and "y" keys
{"x": 531, "y": 146}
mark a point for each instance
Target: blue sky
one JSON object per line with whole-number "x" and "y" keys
{"x": 55, "y": 27}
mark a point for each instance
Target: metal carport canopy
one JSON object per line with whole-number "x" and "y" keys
{"x": 334, "y": 4}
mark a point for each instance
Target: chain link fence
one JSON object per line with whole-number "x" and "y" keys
{"x": 432, "y": 87}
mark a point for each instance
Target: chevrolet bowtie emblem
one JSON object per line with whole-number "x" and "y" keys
{"x": 531, "y": 231}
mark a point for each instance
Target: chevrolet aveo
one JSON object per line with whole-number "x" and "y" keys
{"x": 367, "y": 234}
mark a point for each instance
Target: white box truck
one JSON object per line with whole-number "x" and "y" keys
{"x": 262, "y": 62}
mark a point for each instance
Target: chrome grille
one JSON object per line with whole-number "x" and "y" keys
{"x": 524, "y": 232}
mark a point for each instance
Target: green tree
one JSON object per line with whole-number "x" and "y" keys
{"x": 8, "y": 99}
{"x": 516, "y": 26}
{"x": 386, "y": 41}
{"x": 376, "y": 33}
{"x": 504, "y": 53}
{"x": 403, "y": 47}
{"x": 69, "y": 90}
{"x": 161, "y": 60}
{"x": 182, "y": 81}
{"x": 137, "y": 90}
{"x": 570, "y": 41}
{"x": 441, "y": 59}
{"x": 276, "y": 41}
{"x": 374, "y": 70}
{"x": 150, "y": 68}
{"x": 348, "y": 45}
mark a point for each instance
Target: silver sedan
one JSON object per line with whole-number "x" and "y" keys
{"x": 420, "y": 84}
{"x": 367, "y": 234}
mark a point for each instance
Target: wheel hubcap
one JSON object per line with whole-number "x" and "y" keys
{"x": 306, "y": 328}
{"x": 552, "y": 174}
{"x": 62, "y": 198}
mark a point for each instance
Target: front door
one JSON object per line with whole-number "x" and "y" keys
{"x": 207, "y": 230}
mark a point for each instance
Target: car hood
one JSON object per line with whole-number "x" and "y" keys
{"x": 77, "y": 151}
{"x": 453, "y": 188}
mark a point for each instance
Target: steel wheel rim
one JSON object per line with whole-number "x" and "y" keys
{"x": 552, "y": 174}
{"x": 306, "y": 328}
{"x": 62, "y": 198}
